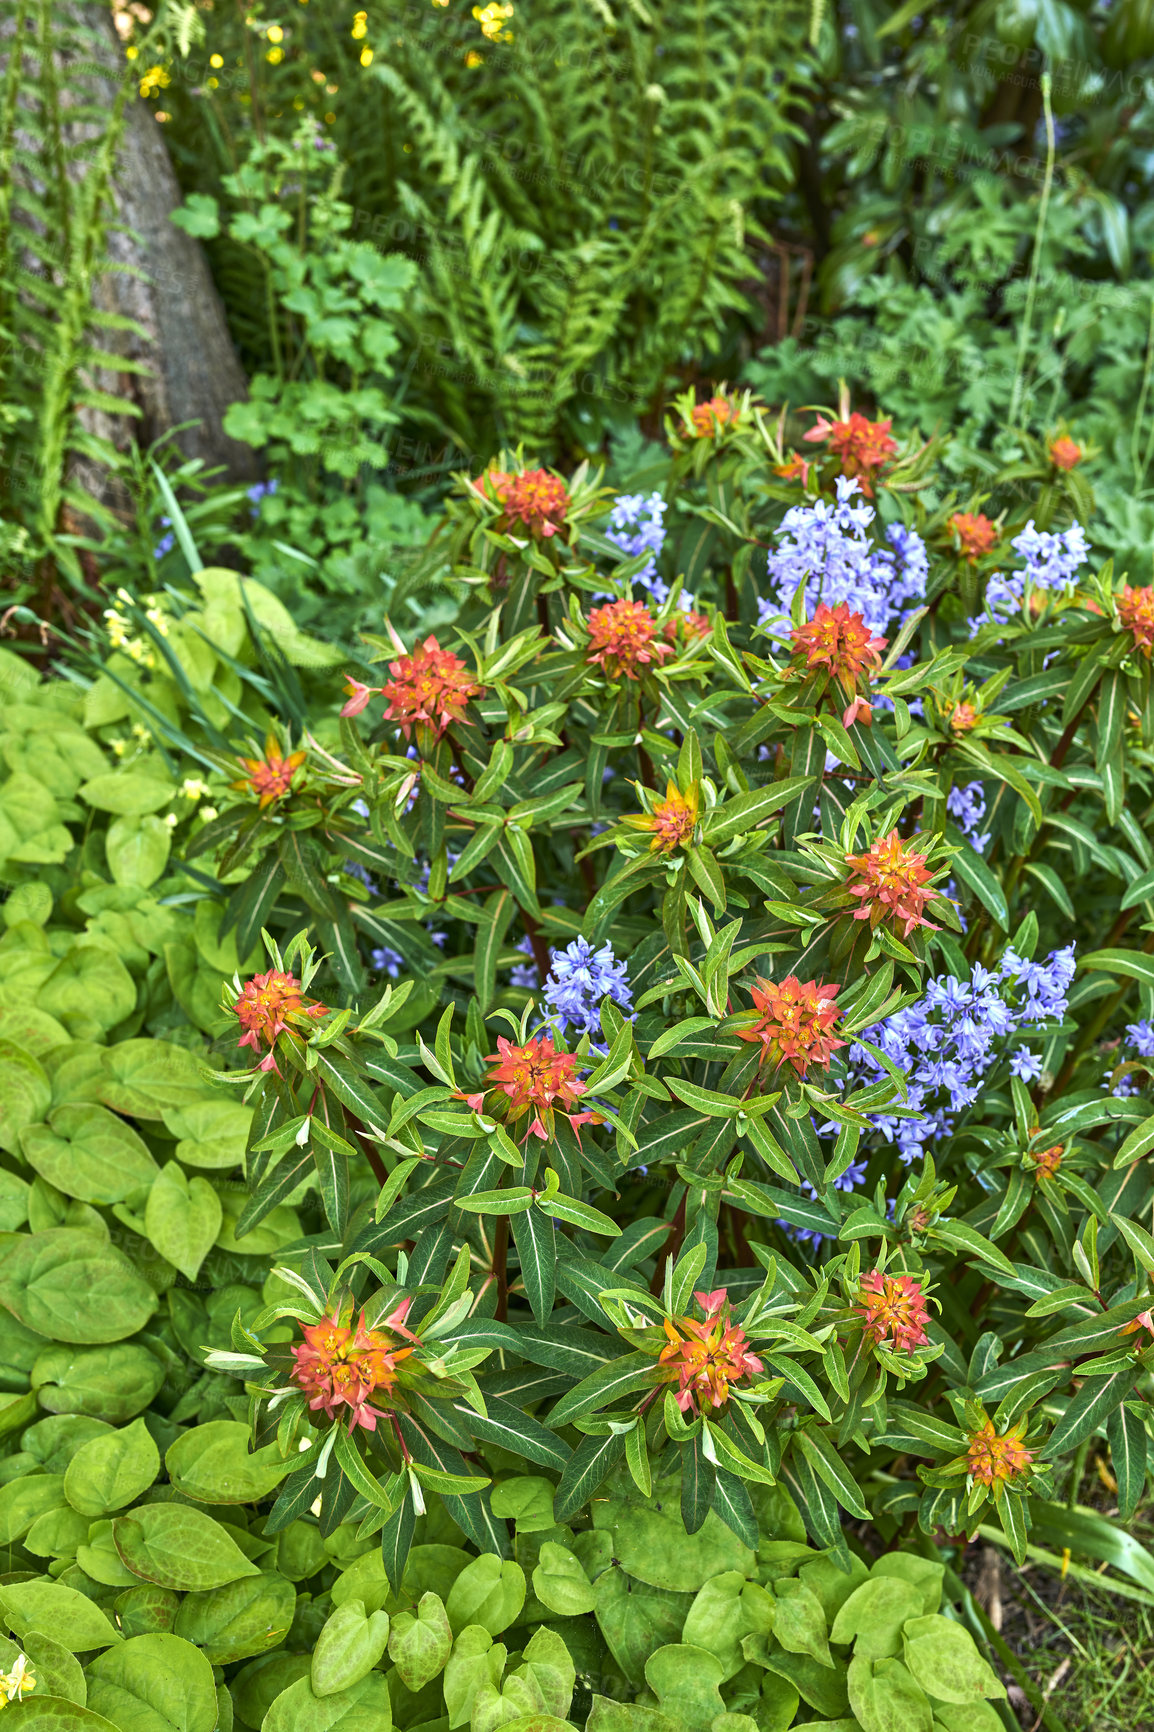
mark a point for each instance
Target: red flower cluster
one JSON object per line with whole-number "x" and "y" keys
{"x": 622, "y": 638}
{"x": 862, "y": 445}
{"x": 795, "y": 1024}
{"x": 839, "y": 641}
{"x": 538, "y": 1080}
{"x": 704, "y": 1358}
{"x": 268, "y": 1004}
{"x": 893, "y": 884}
{"x": 1136, "y": 612}
{"x": 535, "y": 499}
{"x": 1065, "y": 453}
{"x": 430, "y": 687}
{"x": 270, "y": 777}
{"x": 672, "y": 820}
{"x": 975, "y": 532}
{"x": 708, "y": 418}
{"x": 992, "y": 1459}
{"x": 894, "y": 1310}
{"x": 339, "y": 1365}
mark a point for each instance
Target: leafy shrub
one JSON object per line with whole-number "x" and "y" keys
{"x": 688, "y": 1149}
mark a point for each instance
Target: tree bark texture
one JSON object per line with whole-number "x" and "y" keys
{"x": 167, "y": 288}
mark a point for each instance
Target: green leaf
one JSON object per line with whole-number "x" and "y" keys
{"x": 514, "y": 1200}
{"x": 350, "y": 1644}
{"x": 1126, "y": 1434}
{"x": 178, "y": 1547}
{"x": 973, "y": 872}
{"x": 61, "y": 1612}
{"x": 828, "y": 1465}
{"x": 589, "y": 1465}
{"x": 154, "y": 1681}
{"x": 944, "y": 1660}
{"x": 607, "y": 1384}
{"x": 182, "y": 1218}
{"x": 536, "y": 1240}
{"x": 111, "y": 1470}
{"x": 1089, "y": 1408}
{"x": 743, "y": 813}
{"x": 214, "y": 1464}
{"x": 1131, "y": 964}
{"x": 239, "y": 1620}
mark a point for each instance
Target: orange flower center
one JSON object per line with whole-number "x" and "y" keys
{"x": 991, "y": 1458}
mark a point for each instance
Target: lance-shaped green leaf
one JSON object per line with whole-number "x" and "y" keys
{"x": 513, "y": 1201}
{"x": 1090, "y": 1407}
{"x": 590, "y": 1464}
{"x": 828, "y": 1465}
{"x": 511, "y": 1428}
{"x": 609, "y": 1383}
{"x": 577, "y": 1214}
{"x": 746, "y": 811}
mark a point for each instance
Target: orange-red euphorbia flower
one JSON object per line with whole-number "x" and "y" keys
{"x": 894, "y": 1310}
{"x": 341, "y": 1366}
{"x": 623, "y": 637}
{"x": 705, "y": 1356}
{"x": 268, "y": 1004}
{"x": 796, "y": 1023}
{"x": 431, "y": 686}
{"x": 270, "y": 777}
{"x": 892, "y": 884}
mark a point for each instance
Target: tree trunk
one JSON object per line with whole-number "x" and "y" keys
{"x": 193, "y": 370}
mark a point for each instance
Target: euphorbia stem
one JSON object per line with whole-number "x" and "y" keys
{"x": 500, "y": 1265}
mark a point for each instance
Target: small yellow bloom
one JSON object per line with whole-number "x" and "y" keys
{"x": 275, "y": 33}
{"x": 208, "y": 813}
{"x": 140, "y": 732}
{"x": 17, "y": 1683}
{"x": 366, "y": 57}
{"x": 275, "y": 56}
{"x": 118, "y": 747}
{"x": 132, "y": 53}
{"x": 472, "y": 58}
{"x": 193, "y": 788}
{"x": 216, "y": 60}
{"x": 360, "y": 25}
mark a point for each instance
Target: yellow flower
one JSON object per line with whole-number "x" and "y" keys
{"x": 275, "y": 56}
{"x": 360, "y": 25}
{"x": 275, "y": 33}
{"x": 216, "y": 60}
{"x": 17, "y": 1683}
{"x": 366, "y": 57}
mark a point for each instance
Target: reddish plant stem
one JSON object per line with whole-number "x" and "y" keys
{"x": 501, "y": 1266}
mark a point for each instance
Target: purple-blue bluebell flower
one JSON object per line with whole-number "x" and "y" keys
{"x": 949, "y": 1041}
{"x": 579, "y": 979}
{"x": 825, "y": 548}
{"x": 967, "y": 807}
